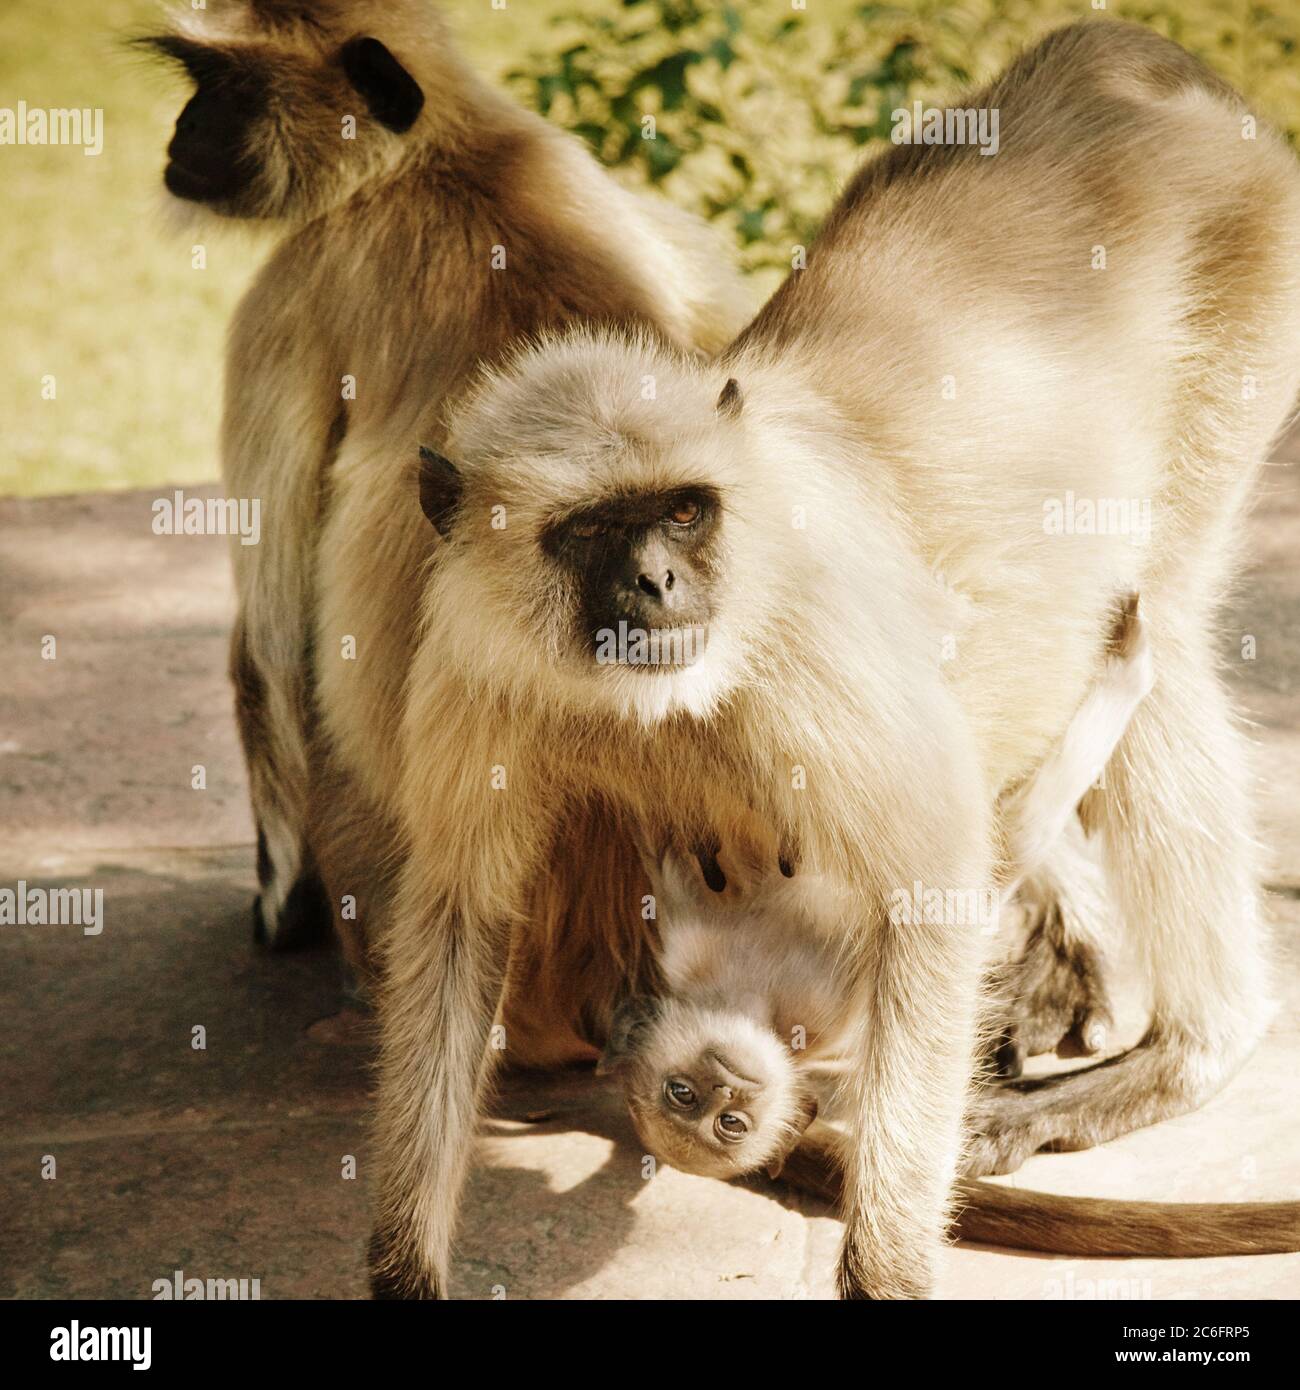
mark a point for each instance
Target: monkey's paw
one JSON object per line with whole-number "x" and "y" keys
{"x": 1009, "y": 1122}
{"x": 1054, "y": 999}
{"x": 396, "y": 1277}
{"x": 713, "y": 879}
{"x": 868, "y": 1279}
{"x": 1000, "y": 1143}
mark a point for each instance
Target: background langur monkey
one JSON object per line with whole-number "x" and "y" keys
{"x": 714, "y": 1069}
{"x": 809, "y": 700}
{"x": 426, "y": 222}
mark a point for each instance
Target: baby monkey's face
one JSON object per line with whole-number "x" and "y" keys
{"x": 709, "y": 1091}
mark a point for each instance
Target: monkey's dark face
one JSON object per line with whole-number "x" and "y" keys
{"x": 209, "y": 159}
{"x": 644, "y": 568}
{"x": 266, "y": 132}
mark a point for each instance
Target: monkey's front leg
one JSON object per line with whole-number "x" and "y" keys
{"x": 443, "y": 977}
{"x": 919, "y": 987}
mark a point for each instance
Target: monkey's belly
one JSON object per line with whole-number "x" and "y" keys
{"x": 585, "y": 943}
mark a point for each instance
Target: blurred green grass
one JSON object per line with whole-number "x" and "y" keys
{"x": 95, "y": 293}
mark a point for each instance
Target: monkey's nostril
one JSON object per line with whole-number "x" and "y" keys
{"x": 648, "y": 586}
{"x": 669, "y": 580}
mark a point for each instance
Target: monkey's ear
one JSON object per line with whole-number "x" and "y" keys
{"x": 731, "y": 402}
{"x": 392, "y": 94}
{"x": 632, "y": 1020}
{"x": 803, "y": 1117}
{"x": 440, "y": 489}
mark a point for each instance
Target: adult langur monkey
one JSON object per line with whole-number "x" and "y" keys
{"x": 425, "y": 222}
{"x": 802, "y": 692}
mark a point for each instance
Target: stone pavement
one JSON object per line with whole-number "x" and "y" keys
{"x": 231, "y": 1161}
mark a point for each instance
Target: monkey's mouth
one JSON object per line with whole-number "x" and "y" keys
{"x": 190, "y": 185}
{"x": 650, "y": 649}
{"x": 184, "y": 181}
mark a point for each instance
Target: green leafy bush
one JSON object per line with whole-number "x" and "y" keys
{"x": 754, "y": 113}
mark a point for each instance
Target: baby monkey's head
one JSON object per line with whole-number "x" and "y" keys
{"x": 709, "y": 1091}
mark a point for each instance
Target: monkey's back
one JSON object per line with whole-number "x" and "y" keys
{"x": 1101, "y": 319}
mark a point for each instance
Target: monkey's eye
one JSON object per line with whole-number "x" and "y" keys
{"x": 684, "y": 512}
{"x": 585, "y": 530}
{"x": 730, "y": 1126}
{"x": 678, "y": 1093}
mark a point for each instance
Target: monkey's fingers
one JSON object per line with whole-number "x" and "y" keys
{"x": 1089, "y": 1034}
{"x": 707, "y": 855}
{"x": 787, "y": 858}
{"x": 1058, "y": 996}
{"x": 1008, "y": 1055}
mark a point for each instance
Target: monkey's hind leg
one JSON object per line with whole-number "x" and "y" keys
{"x": 1176, "y": 819}
{"x": 291, "y": 909}
{"x": 1052, "y": 994}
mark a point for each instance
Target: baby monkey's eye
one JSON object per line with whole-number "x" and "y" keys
{"x": 678, "y": 1093}
{"x": 730, "y": 1126}
{"x": 684, "y": 512}
{"x": 585, "y": 530}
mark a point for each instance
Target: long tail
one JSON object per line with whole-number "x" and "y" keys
{"x": 1043, "y": 1221}
{"x": 1000, "y": 1215}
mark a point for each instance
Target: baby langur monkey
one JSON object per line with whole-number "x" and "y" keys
{"x": 715, "y": 1070}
